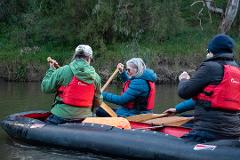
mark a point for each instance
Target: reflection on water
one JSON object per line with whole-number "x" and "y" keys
{"x": 26, "y": 152}
{"x": 19, "y": 97}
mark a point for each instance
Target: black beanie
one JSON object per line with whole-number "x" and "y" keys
{"x": 221, "y": 43}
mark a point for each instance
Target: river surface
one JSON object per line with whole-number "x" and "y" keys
{"x": 19, "y": 97}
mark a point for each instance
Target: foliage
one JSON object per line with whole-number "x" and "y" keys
{"x": 31, "y": 30}
{"x": 97, "y": 22}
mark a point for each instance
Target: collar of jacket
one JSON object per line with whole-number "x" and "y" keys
{"x": 224, "y": 56}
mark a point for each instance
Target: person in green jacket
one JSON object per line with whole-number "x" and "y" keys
{"x": 77, "y": 87}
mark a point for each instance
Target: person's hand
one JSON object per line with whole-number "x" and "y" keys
{"x": 170, "y": 111}
{"x": 120, "y": 67}
{"x": 184, "y": 75}
{"x": 53, "y": 64}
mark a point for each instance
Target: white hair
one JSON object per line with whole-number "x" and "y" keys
{"x": 138, "y": 64}
{"x": 83, "y": 50}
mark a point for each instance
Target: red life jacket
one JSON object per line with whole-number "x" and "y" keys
{"x": 151, "y": 96}
{"x": 225, "y": 95}
{"x": 77, "y": 93}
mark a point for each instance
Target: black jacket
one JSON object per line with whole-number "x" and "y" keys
{"x": 210, "y": 71}
{"x": 224, "y": 123}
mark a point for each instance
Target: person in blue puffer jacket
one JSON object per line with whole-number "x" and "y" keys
{"x": 138, "y": 93}
{"x": 181, "y": 107}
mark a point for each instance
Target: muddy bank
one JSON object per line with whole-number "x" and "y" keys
{"x": 167, "y": 69}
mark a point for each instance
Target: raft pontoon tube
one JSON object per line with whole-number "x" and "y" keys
{"x": 136, "y": 143}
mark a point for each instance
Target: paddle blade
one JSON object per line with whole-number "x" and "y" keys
{"x": 170, "y": 121}
{"x": 109, "y": 110}
{"x": 144, "y": 117}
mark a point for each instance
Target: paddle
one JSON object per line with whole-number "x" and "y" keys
{"x": 109, "y": 80}
{"x": 145, "y": 117}
{"x": 104, "y": 106}
{"x": 159, "y": 119}
{"x": 169, "y": 121}
{"x": 108, "y": 109}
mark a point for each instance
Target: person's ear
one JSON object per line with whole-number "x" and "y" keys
{"x": 209, "y": 55}
{"x": 89, "y": 60}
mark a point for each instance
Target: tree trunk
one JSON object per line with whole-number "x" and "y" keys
{"x": 229, "y": 16}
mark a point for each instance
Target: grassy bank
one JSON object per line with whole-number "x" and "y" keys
{"x": 167, "y": 58}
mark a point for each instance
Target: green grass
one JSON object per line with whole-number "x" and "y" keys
{"x": 192, "y": 41}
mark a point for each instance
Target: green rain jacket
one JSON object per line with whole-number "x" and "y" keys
{"x": 55, "y": 78}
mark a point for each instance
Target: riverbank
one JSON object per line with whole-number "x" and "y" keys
{"x": 168, "y": 59}
{"x": 167, "y": 69}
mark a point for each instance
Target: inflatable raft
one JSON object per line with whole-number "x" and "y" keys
{"x": 143, "y": 141}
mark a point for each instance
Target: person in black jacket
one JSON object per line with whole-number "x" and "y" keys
{"x": 211, "y": 121}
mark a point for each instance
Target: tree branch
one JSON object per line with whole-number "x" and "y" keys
{"x": 211, "y": 8}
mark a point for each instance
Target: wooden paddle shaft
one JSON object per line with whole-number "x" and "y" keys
{"x": 104, "y": 106}
{"x": 109, "y": 80}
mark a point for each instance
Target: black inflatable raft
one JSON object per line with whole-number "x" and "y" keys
{"x": 136, "y": 143}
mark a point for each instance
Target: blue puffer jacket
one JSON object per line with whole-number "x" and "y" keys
{"x": 138, "y": 87}
{"x": 186, "y": 105}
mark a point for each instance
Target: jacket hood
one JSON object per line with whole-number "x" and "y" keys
{"x": 148, "y": 75}
{"x": 83, "y": 71}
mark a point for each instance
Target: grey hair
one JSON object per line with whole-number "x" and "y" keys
{"x": 138, "y": 64}
{"x": 82, "y": 51}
